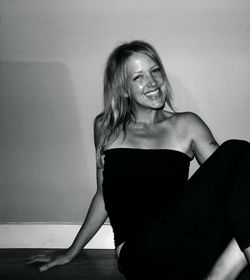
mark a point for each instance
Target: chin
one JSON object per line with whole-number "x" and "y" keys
{"x": 159, "y": 105}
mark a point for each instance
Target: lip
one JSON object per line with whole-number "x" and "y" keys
{"x": 153, "y": 93}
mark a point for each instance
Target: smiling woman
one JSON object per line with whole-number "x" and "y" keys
{"x": 165, "y": 225}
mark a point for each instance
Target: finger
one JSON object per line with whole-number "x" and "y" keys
{"x": 39, "y": 259}
{"x": 35, "y": 256}
{"x": 48, "y": 266}
{"x": 46, "y": 252}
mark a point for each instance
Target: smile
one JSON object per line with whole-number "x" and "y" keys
{"x": 153, "y": 94}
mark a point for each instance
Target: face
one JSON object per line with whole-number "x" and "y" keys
{"x": 145, "y": 82}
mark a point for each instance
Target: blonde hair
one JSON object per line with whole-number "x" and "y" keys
{"x": 118, "y": 108}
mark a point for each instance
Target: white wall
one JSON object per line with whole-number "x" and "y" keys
{"x": 52, "y": 56}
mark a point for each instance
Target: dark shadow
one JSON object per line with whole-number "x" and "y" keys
{"x": 41, "y": 146}
{"x": 183, "y": 97}
{"x": 183, "y": 100}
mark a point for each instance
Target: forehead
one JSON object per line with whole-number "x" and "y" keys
{"x": 139, "y": 62}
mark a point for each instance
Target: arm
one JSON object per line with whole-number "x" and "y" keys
{"x": 229, "y": 265}
{"x": 202, "y": 141}
{"x": 232, "y": 260}
{"x": 96, "y": 216}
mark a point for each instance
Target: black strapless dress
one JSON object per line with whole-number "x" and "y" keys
{"x": 138, "y": 184}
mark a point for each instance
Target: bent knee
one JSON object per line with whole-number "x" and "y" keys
{"x": 236, "y": 144}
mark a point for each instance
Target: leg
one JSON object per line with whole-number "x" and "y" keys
{"x": 216, "y": 204}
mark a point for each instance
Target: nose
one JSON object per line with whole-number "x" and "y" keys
{"x": 150, "y": 80}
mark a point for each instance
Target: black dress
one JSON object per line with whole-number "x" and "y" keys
{"x": 172, "y": 226}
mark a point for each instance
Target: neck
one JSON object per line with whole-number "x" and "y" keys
{"x": 148, "y": 117}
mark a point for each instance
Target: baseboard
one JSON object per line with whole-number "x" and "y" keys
{"x": 50, "y": 236}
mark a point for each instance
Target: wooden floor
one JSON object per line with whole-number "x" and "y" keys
{"x": 89, "y": 265}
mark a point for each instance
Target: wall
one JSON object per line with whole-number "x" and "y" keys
{"x": 52, "y": 56}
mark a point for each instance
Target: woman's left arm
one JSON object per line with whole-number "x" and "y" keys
{"x": 232, "y": 260}
{"x": 203, "y": 143}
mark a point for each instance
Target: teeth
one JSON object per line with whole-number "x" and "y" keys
{"x": 154, "y": 93}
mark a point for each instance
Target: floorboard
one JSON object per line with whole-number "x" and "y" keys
{"x": 91, "y": 264}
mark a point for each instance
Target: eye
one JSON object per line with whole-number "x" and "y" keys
{"x": 137, "y": 77}
{"x": 156, "y": 70}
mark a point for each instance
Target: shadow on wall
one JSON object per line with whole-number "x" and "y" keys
{"x": 41, "y": 165}
{"x": 183, "y": 100}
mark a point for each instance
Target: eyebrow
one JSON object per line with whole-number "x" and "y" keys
{"x": 140, "y": 71}
{"x": 137, "y": 72}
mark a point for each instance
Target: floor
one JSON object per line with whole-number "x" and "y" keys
{"x": 91, "y": 264}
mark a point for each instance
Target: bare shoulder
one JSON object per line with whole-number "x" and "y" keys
{"x": 97, "y": 128}
{"x": 188, "y": 118}
{"x": 199, "y": 135}
{"x": 182, "y": 120}
{"x": 190, "y": 122}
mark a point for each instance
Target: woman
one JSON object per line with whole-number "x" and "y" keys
{"x": 165, "y": 226}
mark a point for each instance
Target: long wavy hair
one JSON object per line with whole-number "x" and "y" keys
{"x": 118, "y": 108}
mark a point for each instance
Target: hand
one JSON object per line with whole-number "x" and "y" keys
{"x": 209, "y": 277}
{"x": 212, "y": 276}
{"x": 50, "y": 258}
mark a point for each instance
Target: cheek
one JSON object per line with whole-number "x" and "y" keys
{"x": 159, "y": 79}
{"x": 136, "y": 87}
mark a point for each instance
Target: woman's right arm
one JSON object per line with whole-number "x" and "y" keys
{"x": 97, "y": 214}
{"x": 95, "y": 218}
